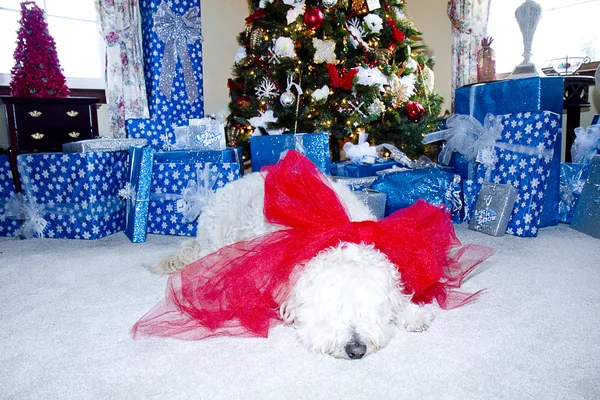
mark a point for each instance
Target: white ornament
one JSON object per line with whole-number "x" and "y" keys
{"x": 371, "y": 77}
{"x": 412, "y": 64}
{"x": 284, "y": 47}
{"x": 357, "y": 32}
{"x": 320, "y": 95}
{"x": 287, "y": 99}
{"x": 402, "y": 89}
{"x": 428, "y": 78}
{"x": 329, "y": 3}
{"x": 374, "y": 23}
{"x": 298, "y": 9}
{"x": 261, "y": 122}
{"x": 266, "y": 89}
{"x": 263, "y": 3}
{"x": 240, "y": 54}
{"x": 324, "y": 51}
{"x": 373, "y": 4}
{"x": 376, "y": 108}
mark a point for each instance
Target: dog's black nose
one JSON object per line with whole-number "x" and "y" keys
{"x": 355, "y": 350}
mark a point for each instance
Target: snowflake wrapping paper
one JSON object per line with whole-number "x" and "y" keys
{"x": 8, "y": 226}
{"x": 361, "y": 170}
{"x": 171, "y": 176}
{"x": 519, "y": 96}
{"x": 172, "y": 46}
{"x": 586, "y": 217}
{"x": 101, "y": 144}
{"x": 266, "y": 150}
{"x": 572, "y": 181}
{"x": 77, "y": 194}
{"x": 524, "y": 159}
{"x": 137, "y": 192}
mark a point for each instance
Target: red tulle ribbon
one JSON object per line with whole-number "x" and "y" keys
{"x": 338, "y": 80}
{"x": 237, "y": 289}
{"x": 397, "y": 34}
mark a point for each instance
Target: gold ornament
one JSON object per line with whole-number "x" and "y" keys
{"x": 357, "y": 5}
{"x": 383, "y": 54}
{"x": 234, "y": 134}
{"x": 256, "y": 38}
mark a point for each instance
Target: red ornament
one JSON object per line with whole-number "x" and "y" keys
{"x": 243, "y": 102}
{"x": 313, "y": 18}
{"x": 415, "y": 111}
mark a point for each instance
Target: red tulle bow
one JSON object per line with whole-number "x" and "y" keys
{"x": 341, "y": 81}
{"x": 237, "y": 289}
{"x": 397, "y": 34}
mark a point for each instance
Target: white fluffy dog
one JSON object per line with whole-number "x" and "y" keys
{"x": 348, "y": 300}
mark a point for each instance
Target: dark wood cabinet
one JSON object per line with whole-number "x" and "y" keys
{"x": 45, "y": 124}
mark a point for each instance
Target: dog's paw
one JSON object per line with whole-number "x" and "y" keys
{"x": 417, "y": 319}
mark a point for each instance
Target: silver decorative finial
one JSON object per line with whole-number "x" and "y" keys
{"x": 528, "y": 15}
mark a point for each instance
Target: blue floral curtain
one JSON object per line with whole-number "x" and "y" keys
{"x": 125, "y": 88}
{"x": 469, "y": 20}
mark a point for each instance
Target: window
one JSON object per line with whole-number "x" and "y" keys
{"x": 566, "y": 28}
{"x": 72, "y": 24}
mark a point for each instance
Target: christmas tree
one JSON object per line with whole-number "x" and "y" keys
{"x": 37, "y": 71}
{"x": 337, "y": 66}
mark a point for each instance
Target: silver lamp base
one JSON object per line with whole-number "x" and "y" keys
{"x": 526, "y": 70}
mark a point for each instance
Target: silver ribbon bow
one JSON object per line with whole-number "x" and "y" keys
{"x": 30, "y": 213}
{"x": 128, "y": 193}
{"x": 586, "y": 144}
{"x": 465, "y": 135}
{"x": 196, "y": 194}
{"x": 177, "y": 32}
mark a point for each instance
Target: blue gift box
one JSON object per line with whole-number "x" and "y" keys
{"x": 137, "y": 192}
{"x": 404, "y": 188}
{"x": 266, "y": 150}
{"x": 177, "y": 173}
{"x": 361, "y": 170}
{"x": 586, "y": 217}
{"x": 8, "y": 226}
{"x": 75, "y": 196}
{"x": 515, "y": 96}
{"x": 172, "y": 46}
{"x": 572, "y": 181}
{"x": 524, "y": 157}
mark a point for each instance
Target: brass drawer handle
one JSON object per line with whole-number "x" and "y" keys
{"x": 72, "y": 113}
{"x": 35, "y": 113}
{"x": 74, "y": 134}
{"x": 37, "y": 136}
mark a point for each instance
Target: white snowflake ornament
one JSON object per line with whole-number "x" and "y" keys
{"x": 324, "y": 51}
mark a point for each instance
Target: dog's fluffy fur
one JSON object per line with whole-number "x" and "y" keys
{"x": 348, "y": 299}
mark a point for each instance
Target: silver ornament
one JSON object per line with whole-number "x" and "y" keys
{"x": 329, "y": 3}
{"x": 287, "y": 99}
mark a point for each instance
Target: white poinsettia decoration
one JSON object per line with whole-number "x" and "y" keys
{"x": 298, "y": 8}
{"x": 402, "y": 89}
{"x": 371, "y": 77}
{"x": 284, "y": 47}
{"x": 357, "y": 33}
{"x": 324, "y": 51}
{"x": 263, "y": 3}
{"x": 240, "y": 54}
{"x": 374, "y": 23}
{"x": 261, "y": 122}
{"x": 320, "y": 95}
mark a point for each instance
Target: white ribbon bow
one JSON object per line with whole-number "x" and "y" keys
{"x": 30, "y": 213}
{"x": 361, "y": 152}
{"x": 177, "y": 32}
{"x": 196, "y": 194}
{"x": 586, "y": 144}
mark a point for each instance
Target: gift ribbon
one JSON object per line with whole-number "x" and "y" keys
{"x": 176, "y": 33}
{"x": 465, "y": 135}
{"x": 361, "y": 152}
{"x": 196, "y": 194}
{"x": 454, "y": 194}
{"x": 586, "y": 144}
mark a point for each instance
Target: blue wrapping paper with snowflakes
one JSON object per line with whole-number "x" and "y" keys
{"x": 172, "y": 46}
{"x": 572, "y": 181}
{"x": 361, "y": 170}
{"x": 523, "y": 158}
{"x": 180, "y": 188}
{"x": 518, "y": 96}
{"x": 137, "y": 192}
{"x": 74, "y": 196}
{"x": 586, "y": 217}
{"x": 266, "y": 150}
{"x": 8, "y": 225}
{"x": 404, "y": 188}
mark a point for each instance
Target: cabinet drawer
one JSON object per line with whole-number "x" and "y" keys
{"x": 51, "y": 139}
{"x": 32, "y": 116}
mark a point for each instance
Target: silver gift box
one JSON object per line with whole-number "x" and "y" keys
{"x": 101, "y": 144}
{"x": 374, "y": 200}
{"x": 355, "y": 183}
{"x": 493, "y": 209}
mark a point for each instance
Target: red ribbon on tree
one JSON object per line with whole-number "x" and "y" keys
{"x": 237, "y": 289}
{"x": 259, "y": 13}
{"x": 338, "y": 80}
{"x": 397, "y": 34}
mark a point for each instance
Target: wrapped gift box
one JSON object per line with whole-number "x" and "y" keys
{"x": 432, "y": 184}
{"x": 173, "y": 77}
{"x": 586, "y": 217}
{"x": 524, "y": 157}
{"x": 137, "y": 192}
{"x": 516, "y": 96}
{"x": 177, "y": 173}
{"x": 101, "y": 144}
{"x": 8, "y": 225}
{"x": 374, "y": 200}
{"x": 355, "y": 170}
{"x": 493, "y": 209}
{"x": 572, "y": 181}
{"x": 75, "y": 196}
{"x": 266, "y": 150}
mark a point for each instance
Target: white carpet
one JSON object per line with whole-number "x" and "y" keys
{"x": 67, "y": 307}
